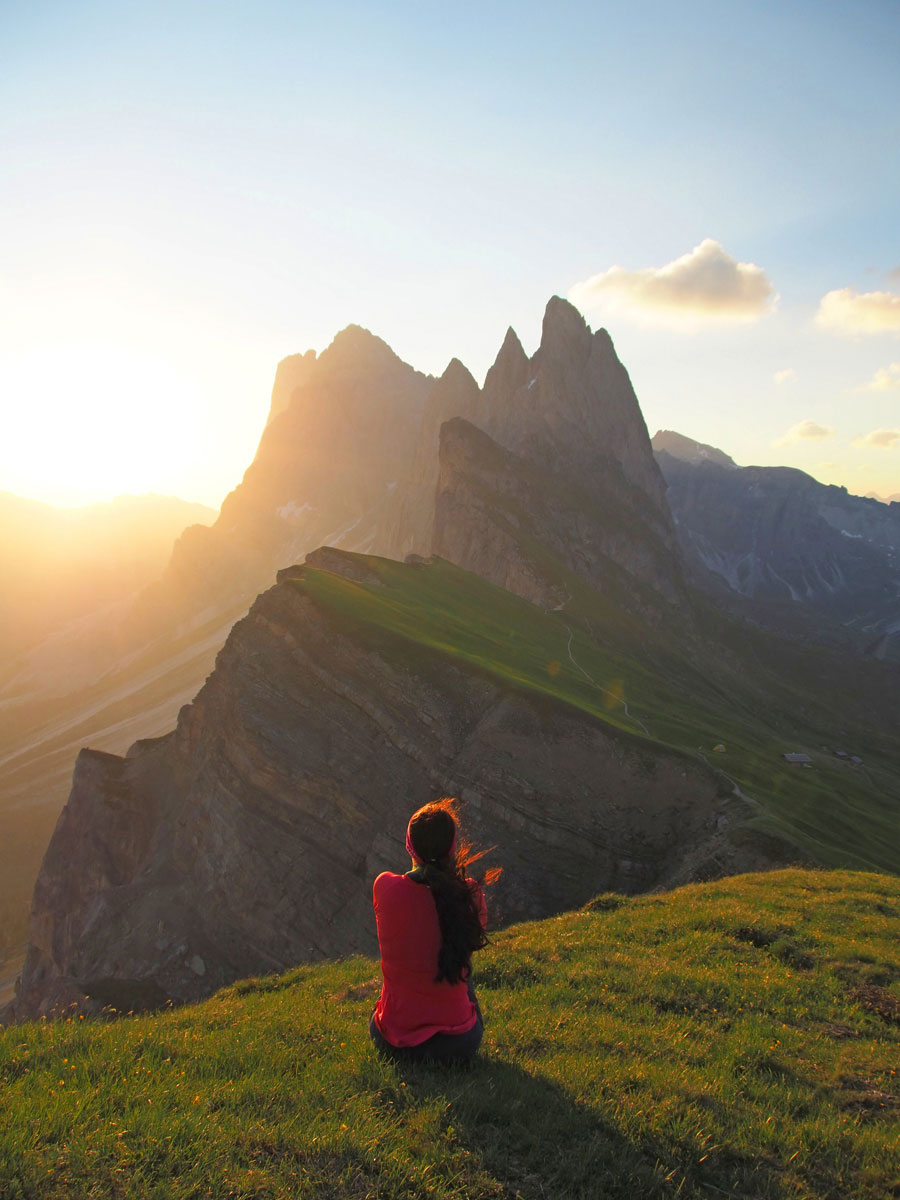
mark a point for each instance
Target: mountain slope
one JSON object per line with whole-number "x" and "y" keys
{"x": 737, "y": 1038}
{"x": 777, "y": 536}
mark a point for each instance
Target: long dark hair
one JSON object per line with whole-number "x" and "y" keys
{"x": 442, "y": 862}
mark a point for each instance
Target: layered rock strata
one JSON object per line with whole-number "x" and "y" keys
{"x": 531, "y": 530}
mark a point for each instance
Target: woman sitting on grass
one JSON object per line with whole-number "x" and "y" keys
{"x": 430, "y": 921}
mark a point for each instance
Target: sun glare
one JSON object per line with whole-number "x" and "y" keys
{"x": 87, "y": 422}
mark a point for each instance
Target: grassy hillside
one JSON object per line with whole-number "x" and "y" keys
{"x": 655, "y": 691}
{"x": 740, "y": 1038}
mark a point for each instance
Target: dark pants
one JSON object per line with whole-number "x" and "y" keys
{"x": 440, "y": 1047}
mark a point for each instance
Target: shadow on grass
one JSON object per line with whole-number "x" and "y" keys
{"x": 541, "y": 1144}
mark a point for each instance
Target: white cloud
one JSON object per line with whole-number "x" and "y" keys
{"x": 883, "y": 439}
{"x": 848, "y": 311}
{"x": 784, "y": 376}
{"x": 805, "y": 431}
{"x": 707, "y": 285}
{"x": 885, "y": 379}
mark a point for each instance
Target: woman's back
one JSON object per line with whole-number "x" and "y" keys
{"x": 413, "y": 1006}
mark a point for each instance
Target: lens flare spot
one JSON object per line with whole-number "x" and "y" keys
{"x": 553, "y": 668}
{"x": 614, "y": 694}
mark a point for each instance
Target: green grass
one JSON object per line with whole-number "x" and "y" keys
{"x": 740, "y": 1038}
{"x": 685, "y": 700}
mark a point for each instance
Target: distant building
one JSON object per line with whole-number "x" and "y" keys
{"x": 798, "y": 758}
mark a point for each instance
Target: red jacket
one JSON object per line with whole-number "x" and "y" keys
{"x": 412, "y": 1007}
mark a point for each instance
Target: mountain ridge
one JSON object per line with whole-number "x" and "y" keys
{"x": 777, "y": 536}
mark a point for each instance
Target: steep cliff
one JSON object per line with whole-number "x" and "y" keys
{"x": 332, "y": 468}
{"x": 532, "y": 530}
{"x": 455, "y": 394}
{"x": 247, "y": 839}
{"x": 573, "y": 411}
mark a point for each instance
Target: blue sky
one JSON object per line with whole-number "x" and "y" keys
{"x": 191, "y": 191}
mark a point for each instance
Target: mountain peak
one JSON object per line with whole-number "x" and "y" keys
{"x": 356, "y": 348}
{"x": 564, "y": 331}
{"x": 667, "y": 441}
{"x": 458, "y": 373}
{"x": 509, "y": 367}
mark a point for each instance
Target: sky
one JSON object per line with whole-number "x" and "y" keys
{"x": 191, "y": 191}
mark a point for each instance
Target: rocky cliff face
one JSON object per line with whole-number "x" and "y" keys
{"x": 572, "y": 410}
{"x": 291, "y": 374}
{"x": 332, "y": 468}
{"x": 349, "y": 458}
{"x": 455, "y": 394}
{"x": 247, "y": 839}
{"x": 774, "y": 534}
{"x": 531, "y": 530}
{"x": 567, "y": 470}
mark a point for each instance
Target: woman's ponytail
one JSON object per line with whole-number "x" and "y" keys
{"x": 432, "y": 840}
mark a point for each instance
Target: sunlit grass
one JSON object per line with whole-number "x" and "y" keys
{"x": 737, "y": 1038}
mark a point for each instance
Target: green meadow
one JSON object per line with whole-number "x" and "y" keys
{"x": 739, "y": 1038}
{"x": 654, "y": 691}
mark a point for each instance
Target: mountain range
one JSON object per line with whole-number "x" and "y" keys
{"x": 778, "y": 537}
{"x": 554, "y": 649}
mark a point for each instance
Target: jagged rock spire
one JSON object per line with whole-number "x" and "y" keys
{"x": 510, "y": 367}
{"x": 565, "y": 335}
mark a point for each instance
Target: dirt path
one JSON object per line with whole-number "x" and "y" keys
{"x": 606, "y": 691}
{"x": 737, "y": 790}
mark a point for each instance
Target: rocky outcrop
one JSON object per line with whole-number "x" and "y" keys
{"x": 333, "y": 467}
{"x": 455, "y": 394}
{"x": 572, "y": 410}
{"x": 247, "y": 839}
{"x": 566, "y": 481}
{"x": 531, "y": 531}
{"x": 291, "y": 373}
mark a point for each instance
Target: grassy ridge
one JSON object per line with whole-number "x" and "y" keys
{"x": 738, "y": 1038}
{"x": 837, "y": 814}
